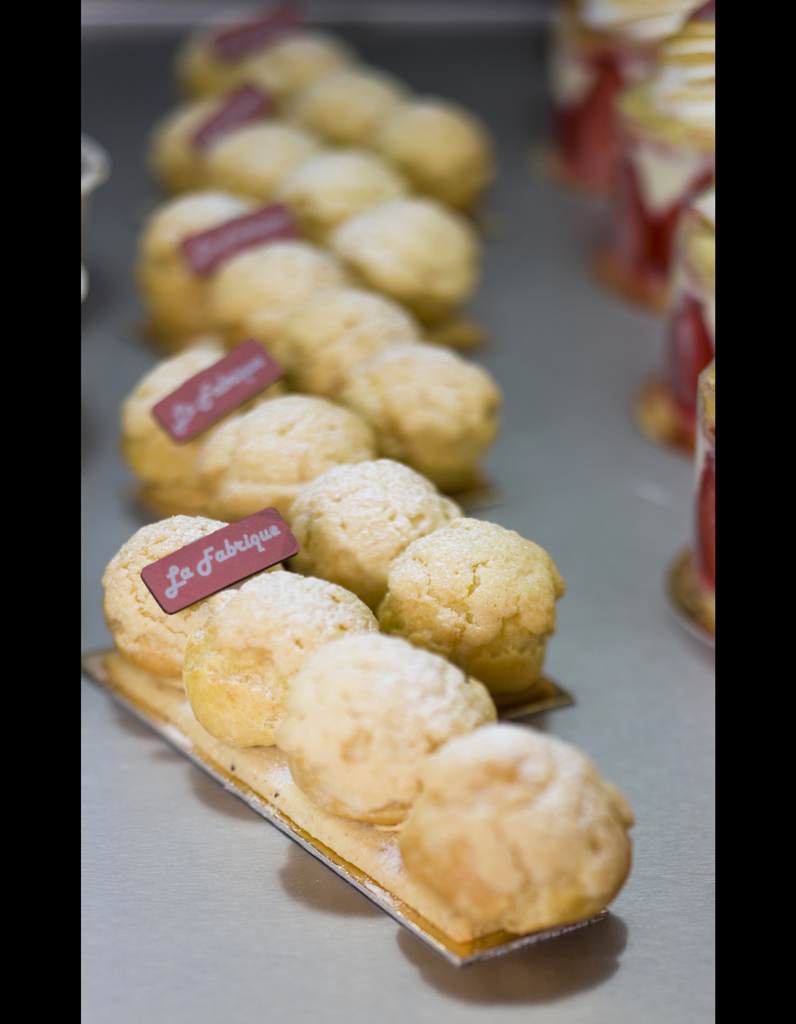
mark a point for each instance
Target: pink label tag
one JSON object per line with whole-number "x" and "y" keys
{"x": 233, "y": 43}
{"x": 210, "y": 395}
{"x": 219, "y": 560}
{"x": 245, "y": 105}
{"x": 207, "y": 250}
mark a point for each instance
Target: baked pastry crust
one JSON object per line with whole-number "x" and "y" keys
{"x": 354, "y": 521}
{"x": 239, "y": 665}
{"x": 480, "y": 595}
{"x": 516, "y": 830}
{"x": 363, "y": 716}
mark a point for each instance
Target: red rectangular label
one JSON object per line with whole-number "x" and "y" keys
{"x": 243, "y": 106}
{"x": 219, "y": 560}
{"x": 207, "y": 250}
{"x": 208, "y": 396}
{"x": 233, "y": 43}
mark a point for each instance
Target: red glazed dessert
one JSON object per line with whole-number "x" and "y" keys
{"x": 666, "y": 408}
{"x": 598, "y": 49}
{"x": 666, "y": 137}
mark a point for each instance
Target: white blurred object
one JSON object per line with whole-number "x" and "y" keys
{"x": 83, "y": 282}
{"x": 95, "y": 167}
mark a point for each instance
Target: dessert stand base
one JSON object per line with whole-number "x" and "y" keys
{"x": 366, "y": 857}
{"x": 659, "y": 418}
{"x": 610, "y": 273}
{"x": 695, "y": 612}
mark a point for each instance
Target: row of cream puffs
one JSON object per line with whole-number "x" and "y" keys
{"x": 415, "y": 251}
{"x": 394, "y": 730}
{"x": 438, "y": 148}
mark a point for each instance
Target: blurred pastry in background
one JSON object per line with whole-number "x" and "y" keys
{"x": 179, "y": 142}
{"x": 240, "y": 663}
{"x": 480, "y": 595}
{"x": 335, "y": 185}
{"x": 364, "y": 714}
{"x": 167, "y": 470}
{"x": 354, "y": 521}
{"x": 429, "y": 408}
{"x": 325, "y": 338}
{"x": 349, "y": 107}
{"x": 263, "y": 458}
{"x": 142, "y": 631}
{"x": 692, "y": 577}
{"x": 597, "y": 49}
{"x": 444, "y": 150}
{"x": 517, "y": 830}
{"x": 272, "y": 50}
{"x": 254, "y": 293}
{"x": 414, "y": 250}
{"x": 667, "y": 138}
{"x": 666, "y": 408}
{"x": 177, "y": 300}
{"x": 254, "y": 160}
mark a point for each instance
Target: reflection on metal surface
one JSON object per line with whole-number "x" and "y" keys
{"x": 685, "y": 599}
{"x": 457, "y": 953}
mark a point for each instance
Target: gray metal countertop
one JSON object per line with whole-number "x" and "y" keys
{"x": 194, "y": 908}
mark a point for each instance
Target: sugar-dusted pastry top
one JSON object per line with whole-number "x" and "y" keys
{"x": 637, "y": 19}
{"x": 354, "y": 521}
{"x": 429, "y": 408}
{"x": 479, "y": 594}
{"x": 363, "y": 715}
{"x": 239, "y": 664}
{"x": 264, "y": 457}
{"x": 324, "y": 339}
{"x": 516, "y": 830}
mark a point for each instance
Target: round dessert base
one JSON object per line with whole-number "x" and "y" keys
{"x": 615, "y": 277}
{"x": 547, "y": 164}
{"x": 691, "y": 606}
{"x": 660, "y": 419}
{"x": 543, "y": 695}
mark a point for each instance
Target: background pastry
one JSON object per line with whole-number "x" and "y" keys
{"x": 363, "y": 716}
{"x": 324, "y": 339}
{"x": 263, "y": 458}
{"x": 667, "y": 407}
{"x": 443, "y": 150}
{"x": 430, "y": 409}
{"x": 414, "y": 250}
{"x": 177, "y": 300}
{"x": 261, "y": 286}
{"x": 517, "y": 831}
{"x": 347, "y": 108}
{"x": 239, "y": 665}
{"x": 354, "y": 521}
{"x": 168, "y": 470}
{"x": 480, "y": 595}
{"x": 254, "y": 160}
{"x": 141, "y": 630}
{"x": 667, "y": 139}
{"x": 333, "y": 186}
{"x": 172, "y": 156}
{"x": 597, "y": 49}
{"x": 283, "y": 66}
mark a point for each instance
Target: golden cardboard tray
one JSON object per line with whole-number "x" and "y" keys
{"x": 162, "y": 709}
